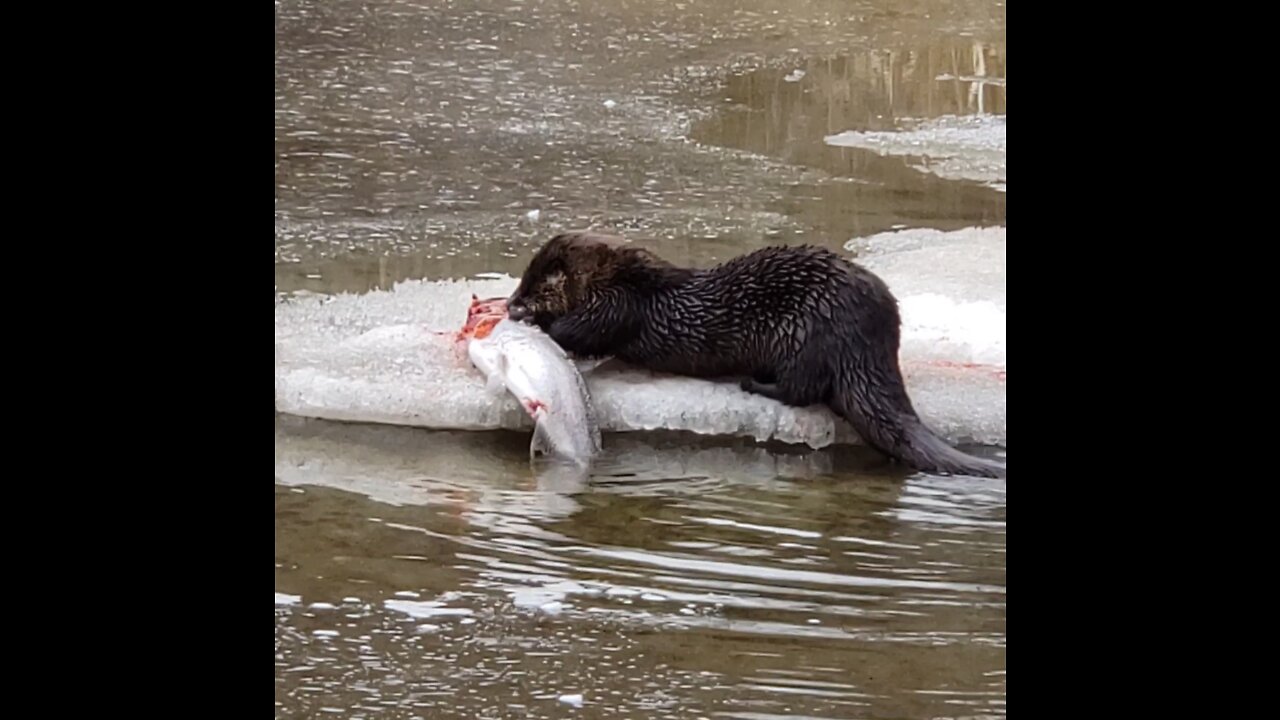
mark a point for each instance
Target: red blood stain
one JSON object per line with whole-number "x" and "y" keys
{"x": 482, "y": 315}
{"x": 997, "y": 372}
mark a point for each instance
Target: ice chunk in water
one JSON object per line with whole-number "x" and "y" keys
{"x": 971, "y": 147}
{"x": 390, "y": 356}
{"x": 424, "y": 610}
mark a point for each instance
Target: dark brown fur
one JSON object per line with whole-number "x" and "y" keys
{"x": 804, "y": 325}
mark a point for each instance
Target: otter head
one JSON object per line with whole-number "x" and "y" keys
{"x": 562, "y": 274}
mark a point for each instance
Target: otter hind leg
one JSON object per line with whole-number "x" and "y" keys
{"x": 795, "y": 384}
{"x": 764, "y": 382}
{"x": 767, "y": 389}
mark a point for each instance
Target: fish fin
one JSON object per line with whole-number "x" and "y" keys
{"x": 494, "y": 386}
{"x": 541, "y": 441}
{"x": 499, "y": 371}
{"x": 586, "y": 366}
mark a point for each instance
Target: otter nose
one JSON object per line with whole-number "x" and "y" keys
{"x": 517, "y": 311}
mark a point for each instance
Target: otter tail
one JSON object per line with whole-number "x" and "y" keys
{"x": 877, "y": 406}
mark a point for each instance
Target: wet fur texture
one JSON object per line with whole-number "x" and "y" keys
{"x": 802, "y": 324}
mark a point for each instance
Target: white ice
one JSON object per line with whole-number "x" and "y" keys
{"x": 424, "y": 610}
{"x": 389, "y": 356}
{"x": 970, "y": 147}
{"x": 950, "y": 289}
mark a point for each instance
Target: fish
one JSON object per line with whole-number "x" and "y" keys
{"x": 521, "y": 359}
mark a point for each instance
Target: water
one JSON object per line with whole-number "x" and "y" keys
{"x": 434, "y": 575}
{"x": 427, "y": 574}
{"x": 413, "y": 139}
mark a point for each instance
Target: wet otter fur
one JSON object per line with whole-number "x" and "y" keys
{"x": 804, "y": 325}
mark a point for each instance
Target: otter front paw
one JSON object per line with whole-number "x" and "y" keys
{"x": 572, "y": 335}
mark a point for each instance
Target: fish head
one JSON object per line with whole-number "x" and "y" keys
{"x": 488, "y": 311}
{"x": 487, "y": 306}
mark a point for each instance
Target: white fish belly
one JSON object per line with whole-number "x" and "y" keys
{"x": 539, "y": 374}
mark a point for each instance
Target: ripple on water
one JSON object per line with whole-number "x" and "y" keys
{"x": 827, "y": 595}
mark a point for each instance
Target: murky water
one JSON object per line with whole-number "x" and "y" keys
{"x": 424, "y": 574}
{"x": 414, "y": 139}
{"x": 434, "y": 575}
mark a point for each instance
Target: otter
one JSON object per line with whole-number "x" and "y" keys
{"x": 803, "y": 325}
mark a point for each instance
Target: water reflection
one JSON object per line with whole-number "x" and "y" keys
{"x": 786, "y": 112}
{"x": 741, "y": 581}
